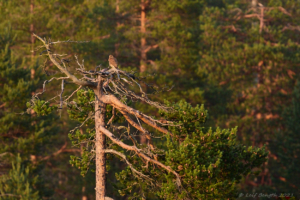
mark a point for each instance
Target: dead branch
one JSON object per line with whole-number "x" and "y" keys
{"x": 279, "y": 8}
{"x": 60, "y": 96}
{"x": 48, "y": 81}
{"x": 113, "y": 116}
{"x": 134, "y": 171}
{"x": 73, "y": 93}
{"x": 115, "y": 102}
{"x": 90, "y": 116}
{"x": 62, "y": 69}
{"x": 151, "y": 47}
{"x": 290, "y": 27}
{"x": 62, "y": 149}
{"x": 140, "y": 154}
{"x": 138, "y": 127}
{"x": 5, "y": 153}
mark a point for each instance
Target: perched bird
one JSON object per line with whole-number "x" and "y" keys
{"x": 112, "y": 61}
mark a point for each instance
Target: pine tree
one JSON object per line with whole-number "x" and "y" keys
{"x": 285, "y": 171}
{"x": 18, "y": 183}
{"x": 193, "y": 162}
{"x": 22, "y": 132}
{"x": 250, "y": 50}
{"x": 81, "y": 19}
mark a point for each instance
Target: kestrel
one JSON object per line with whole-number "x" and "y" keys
{"x": 112, "y": 61}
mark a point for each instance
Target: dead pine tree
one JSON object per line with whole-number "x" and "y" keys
{"x": 192, "y": 154}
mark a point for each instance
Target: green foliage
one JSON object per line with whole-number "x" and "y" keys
{"x": 188, "y": 119}
{"x": 286, "y": 146}
{"x": 81, "y": 108}
{"x": 26, "y": 134}
{"x": 205, "y": 48}
{"x": 209, "y": 162}
{"x": 84, "y": 161}
{"x": 40, "y": 107}
{"x": 255, "y": 70}
{"x": 18, "y": 183}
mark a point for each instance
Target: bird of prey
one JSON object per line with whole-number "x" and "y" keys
{"x": 112, "y": 62}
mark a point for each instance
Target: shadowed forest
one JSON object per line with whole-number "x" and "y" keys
{"x": 214, "y": 84}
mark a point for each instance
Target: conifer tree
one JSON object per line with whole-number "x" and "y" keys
{"x": 193, "y": 162}
{"x": 285, "y": 171}
{"x": 250, "y": 49}
{"x": 18, "y": 183}
{"x": 85, "y": 18}
{"x": 22, "y": 131}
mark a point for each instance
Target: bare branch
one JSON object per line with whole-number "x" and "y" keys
{"x": 73, "y": 93}
{"x": 90, "y": 116}
{"x": 138, "y": 127}
{"x": 5, "y": 153}
{"x": 56, "y": 153}
{"x": 115, "y": 102}
{"x": 60, "y": 96}
{"x": 134, "y": 171}
{"x": 151, "y": 47}
{"x": 102, "y": 74}
{"x": 48, "y": 81}
{"x": 62, "y": 69}
{"x": 68, "y": 41}
{"x": 251, "y": 16}
{"x": 289, "y": 27}
{"x": 80, "y": 65}
{"x": 112, "y": 117}
{"x": 279, "y": 8}
{"x": 140, "y": 154}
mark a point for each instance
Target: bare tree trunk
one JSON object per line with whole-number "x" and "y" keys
{"x": 143, "y": 39}
{"x": 32, "y": 38}
{"x": 261, "y": 25}
{"x": 100, "y": 109}
{"x": 118, "y": 25}
{"x": 143, "y": 59}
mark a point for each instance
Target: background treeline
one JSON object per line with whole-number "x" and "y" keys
{"x": 238, "y": 57}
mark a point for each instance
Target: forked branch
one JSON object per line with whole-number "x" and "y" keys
{"x": 115, "y": 102}
{"x": 140, "y": 154}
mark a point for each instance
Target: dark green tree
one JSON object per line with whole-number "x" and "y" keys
{"x": 250, "y": 51}
{"x": 285, "y": 173}
{"x": 22, "y": 131}
{"x": 81, "y": 20}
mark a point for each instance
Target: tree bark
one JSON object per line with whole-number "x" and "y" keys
{"x": 118, "y": 25}
{"x": 32, "y": 37}
{"x": 100, "y": 109}
{"x": 143, "y": 39}
{"x": 143, "y": 139}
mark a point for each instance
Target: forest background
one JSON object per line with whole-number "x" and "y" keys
{"x": 240, "y": 58}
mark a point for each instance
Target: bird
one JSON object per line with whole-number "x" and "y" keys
{"x": 112, "y": 62}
